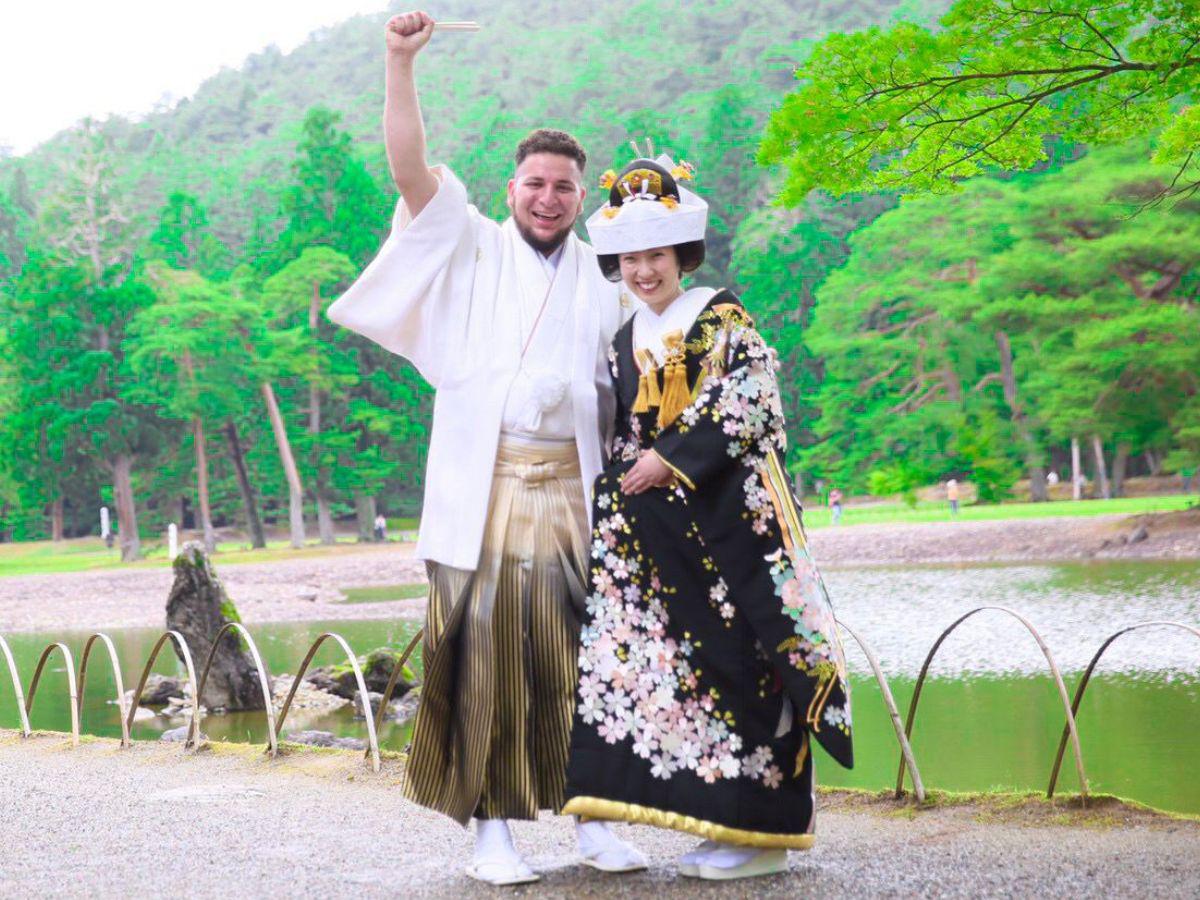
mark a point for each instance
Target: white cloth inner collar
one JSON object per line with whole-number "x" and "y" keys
{"x": 649, "y": 327}
{"x": 550, "y": 263}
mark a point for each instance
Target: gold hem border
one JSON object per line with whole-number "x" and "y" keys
{"x": 617, "y": 811}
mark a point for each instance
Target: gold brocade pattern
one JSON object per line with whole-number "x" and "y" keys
{"x": 616, "y": 811}
{"x": 493, "y": 728}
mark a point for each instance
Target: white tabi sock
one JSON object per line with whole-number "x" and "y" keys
{"x": 496, "y": 859}
{"x": 493, "y": 840}
{"x": 603, "y": 850}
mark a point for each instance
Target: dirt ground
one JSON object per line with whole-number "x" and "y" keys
{"x": 97, "y": 820}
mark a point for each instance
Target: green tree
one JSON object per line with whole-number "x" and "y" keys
{"x": 90, "y": 242}
{"x": 332, "y": 200}
{"x": 1110, "y": 297}
{"x": 183, "y": 239}
{"x": 187, "y": 366}
{"x": 782, "y": 257}
{"x": 295, "y": 299}
{"x": 910, "y": 108}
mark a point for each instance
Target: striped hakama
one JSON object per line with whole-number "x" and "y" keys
{"x": 501, "y": 646}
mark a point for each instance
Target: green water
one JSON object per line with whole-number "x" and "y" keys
{"x": 282, "y": 648}
{"x": 989, "y": 718}
{"x": 1140, "y": 736}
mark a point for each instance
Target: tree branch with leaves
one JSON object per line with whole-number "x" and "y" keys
{"x": 912, "y": 109}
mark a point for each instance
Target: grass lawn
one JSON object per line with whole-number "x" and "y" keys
{"x": 939, "y": 511}
{"x": 382, "y": 593}
{"x": 40, "y": 557}
{"x": 78, "y": 554}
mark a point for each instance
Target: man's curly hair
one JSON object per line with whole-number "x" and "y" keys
{"x": 548, "y": 140}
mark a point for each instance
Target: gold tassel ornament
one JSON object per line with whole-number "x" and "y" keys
{"x": 676, "y": 395}
{"x": 648, "y": 395}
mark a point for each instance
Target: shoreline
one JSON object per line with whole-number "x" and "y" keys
{"x": 309, "y": 587}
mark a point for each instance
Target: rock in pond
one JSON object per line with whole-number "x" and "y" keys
{"x": 198, "y": 608}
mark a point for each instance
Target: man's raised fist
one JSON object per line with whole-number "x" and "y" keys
{"x": 408, "y": 32}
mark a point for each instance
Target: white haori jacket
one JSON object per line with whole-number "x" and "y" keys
{"x": 443, "y": 292}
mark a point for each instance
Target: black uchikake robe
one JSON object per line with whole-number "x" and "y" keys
{"x": 709, "y": 651}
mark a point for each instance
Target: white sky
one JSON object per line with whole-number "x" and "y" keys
{"x": 62, "y": 60}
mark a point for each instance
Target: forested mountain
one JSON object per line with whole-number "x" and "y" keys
{"x": 163, "y": 282}
{"x": 134, "y": 379}
{"x": 699, "y": 78}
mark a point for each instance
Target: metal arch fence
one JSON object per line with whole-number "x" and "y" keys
{"x": 363, "y": 696}
{"x": 374, "y": 717}
{"x": 1087, "y": 676}
{"x": 16, "y": 683}
{"x": 1062, "y": 691}
{"x": 194, "y": 720}
{"x": 886, "y": 690}
{"x": 264, "y": 680}
{"x": 72, "y": 692}
{"x": 116, "y": 668}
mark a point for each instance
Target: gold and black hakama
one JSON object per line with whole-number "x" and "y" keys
{"x": 493, "y": 727}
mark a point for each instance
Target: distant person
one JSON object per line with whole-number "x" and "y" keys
{"x": 380, "y": 528}
{"x": 952, "y": 496}
{"x": 1051, "y": 478}
{"x": 835, "y": 504}
{"x": 1188, "y": 475}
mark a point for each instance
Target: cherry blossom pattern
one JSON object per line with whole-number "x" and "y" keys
{"x": 637, "y": 683}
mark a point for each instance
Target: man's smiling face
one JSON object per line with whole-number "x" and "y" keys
{"x": 546, "y": 196}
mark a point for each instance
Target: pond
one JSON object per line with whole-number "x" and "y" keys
{"x": 990, "y": 715}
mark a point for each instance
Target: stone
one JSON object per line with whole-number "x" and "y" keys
{"x": 179, "y": 706}
{"x": 376, "y": 670}
{"x": 198, "y": 608}
{"x": 179, "y": 735}
{"x": 374, "y": 698}
{"x": 307, "y": 695}
{"x": 323, "y": 681}
{"x": 325, "y": 739}
{"x": 404, "y": 709}
{"x": 160, "y": 688}
{"x": 141, "y": 714}
{"x": 1138, "y": 535}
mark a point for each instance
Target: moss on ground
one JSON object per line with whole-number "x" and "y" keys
{"x": 1101, "y": 811}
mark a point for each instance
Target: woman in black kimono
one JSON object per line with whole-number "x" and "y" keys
{"x": 709, "y": 656}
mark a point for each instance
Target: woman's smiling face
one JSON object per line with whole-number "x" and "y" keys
{"x": 652, "y": 274}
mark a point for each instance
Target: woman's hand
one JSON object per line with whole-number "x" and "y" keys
{"x": 648, "y": 472}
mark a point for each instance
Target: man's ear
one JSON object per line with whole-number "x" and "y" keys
{"x": 512, "y": 183}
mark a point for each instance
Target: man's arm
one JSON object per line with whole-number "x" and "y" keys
{"x": 403, "y": 129}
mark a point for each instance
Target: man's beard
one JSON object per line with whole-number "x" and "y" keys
{"x": 544, "y": 246}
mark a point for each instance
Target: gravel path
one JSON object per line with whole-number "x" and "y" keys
{"x": 100, "y": 821}
{"x": 284, "y": 590}
{"x": 1010, "y": 540}
{"x": 309, "y": 588}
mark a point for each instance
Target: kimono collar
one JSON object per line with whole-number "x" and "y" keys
{"x": 650, "y": 329}
{"x": 533, "y": 269}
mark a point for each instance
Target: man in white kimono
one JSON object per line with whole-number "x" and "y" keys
{"x": 510, "y": 324}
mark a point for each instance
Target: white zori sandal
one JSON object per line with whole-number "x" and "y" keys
{"x": 496, "y": 860}
{"x": 689, "y": 863}
{"x": 726, "y": 862}
{"x": 502, "y": 872}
